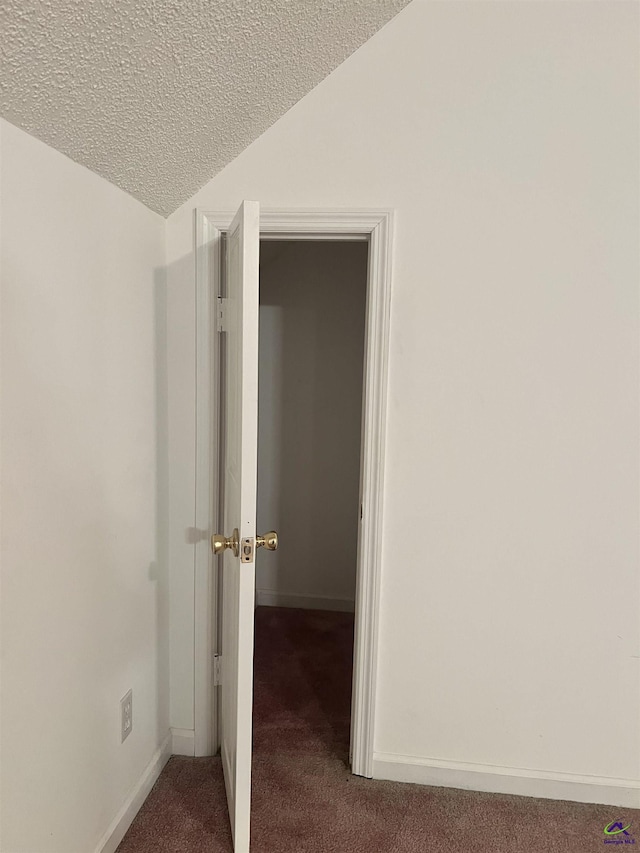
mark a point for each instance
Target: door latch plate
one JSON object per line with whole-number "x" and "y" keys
{"x": 246, "y": 550}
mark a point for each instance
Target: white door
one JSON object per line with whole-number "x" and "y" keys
{"x": 237, "y": 541}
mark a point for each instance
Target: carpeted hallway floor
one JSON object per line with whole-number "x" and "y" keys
{"x": 304, "y": 798}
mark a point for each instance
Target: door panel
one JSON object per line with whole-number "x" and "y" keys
{"x": 240, "y": 408}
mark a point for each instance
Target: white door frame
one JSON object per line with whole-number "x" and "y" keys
{"x": 376, "y": 227}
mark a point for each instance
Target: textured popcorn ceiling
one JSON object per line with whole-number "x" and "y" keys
{"x": 158, "y": 95}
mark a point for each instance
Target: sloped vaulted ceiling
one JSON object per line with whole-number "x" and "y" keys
{"x": 158, "y": 95}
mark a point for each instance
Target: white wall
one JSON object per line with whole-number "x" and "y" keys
{"x": 312, "y": 312}
{"x": 505, "y": 135}
{"x": 84, "y": 568}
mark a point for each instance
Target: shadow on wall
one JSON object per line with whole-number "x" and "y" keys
{"x": 183, "y": 540}
{"x": 159, "y": 569}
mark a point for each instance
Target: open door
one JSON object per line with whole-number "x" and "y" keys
{"x": 237, "y": 542}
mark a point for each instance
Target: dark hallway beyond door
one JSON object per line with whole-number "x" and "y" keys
{"x": 302, "y": 683}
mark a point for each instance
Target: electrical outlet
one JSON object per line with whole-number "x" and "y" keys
{"x": 126, "y": 714}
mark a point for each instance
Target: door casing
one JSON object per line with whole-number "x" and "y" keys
{"x": 375, "y": 227}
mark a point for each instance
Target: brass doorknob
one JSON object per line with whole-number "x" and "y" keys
{"x": 268, "y": 541}
{"x": 220, "y": 543}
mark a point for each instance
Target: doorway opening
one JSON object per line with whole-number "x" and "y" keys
{"x": 311, "y": 358}
{"x": 372, "y": 229}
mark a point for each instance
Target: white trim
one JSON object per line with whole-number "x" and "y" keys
{"x": 376, "y": 226}
{"x": 183, "y": 742}
{"x": 548, "y": 784}
{"x": 123, "y": 820}
{"x": 273, "y": 598}
{"x": 369, "y": 568}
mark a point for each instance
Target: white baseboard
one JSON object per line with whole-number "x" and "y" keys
{"x": 123, "y": 820}
{"x": 183, "y": 742}
{"x": 271, "y": 598}
{"x": 508, "y": 780}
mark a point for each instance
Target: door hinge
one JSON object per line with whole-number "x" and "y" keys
{"x": 222, "y": 309}
{"x": 217, "y": 670}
